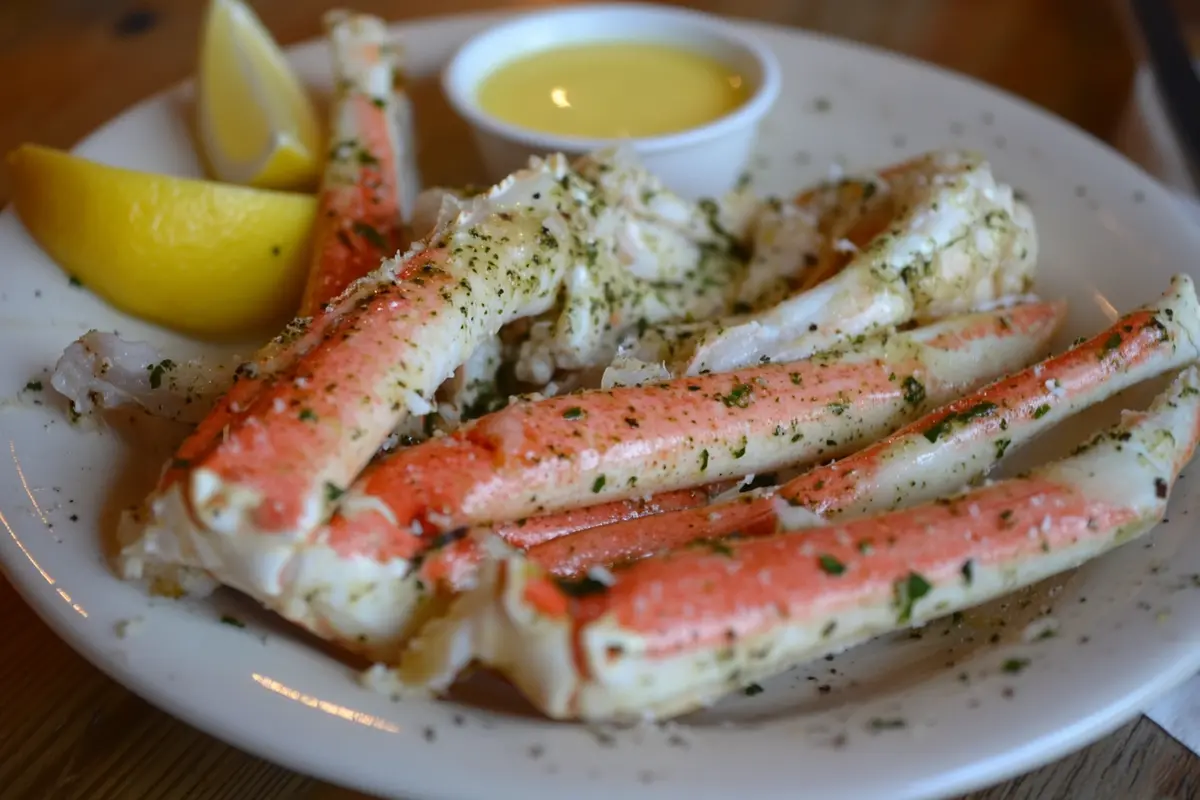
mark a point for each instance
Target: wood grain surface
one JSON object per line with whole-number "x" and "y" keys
{"x": 66, "y": 66}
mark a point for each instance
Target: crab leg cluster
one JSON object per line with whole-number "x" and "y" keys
{"x": 952, "y": 446}
{"x": 533, "y": 438}
{"x": 676, "y": 631}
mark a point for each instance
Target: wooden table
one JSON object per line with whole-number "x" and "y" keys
{"x": 66, "y": 731}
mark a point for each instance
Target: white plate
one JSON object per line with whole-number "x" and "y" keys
{"x": 1130, "y": 622}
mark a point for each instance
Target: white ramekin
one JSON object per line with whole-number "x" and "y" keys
{"x": 699, "y": 162}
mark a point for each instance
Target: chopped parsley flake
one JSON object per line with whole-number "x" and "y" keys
{"x": 1015, "y": 665}
{"x": 739, "y": 396}
{"x": 33, "y": 386}
{"x": 373, "y": 237}
{"x": 157, "y": 371}
{"x": 935, "y": 431}
{"x": 914, "y": 390}
{"x": 574, "y": 412}
{"x": 968, "y": 571}
{"x": 717, "y": 546}
{"x": 1041, "y": 411}
{"x": 983, "y": 409}
{"x": 234, "y": 621}
{"x": 906, "y": 592}
{"x": 1110, "y": 344}
{"x": 333, "y": 491}
{"x": 598, "y": 485}
{"x": 830, "y": 565}
{"x": 308, "y": 415}
{"x": 890, "y": 724}
{"x": 752, "y": 690}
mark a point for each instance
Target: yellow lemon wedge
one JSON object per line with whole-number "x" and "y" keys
{"x": 205, "y": 258}
{"x": 256, "y": 124}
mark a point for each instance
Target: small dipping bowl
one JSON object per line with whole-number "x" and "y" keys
{"x": 702, "y": 161}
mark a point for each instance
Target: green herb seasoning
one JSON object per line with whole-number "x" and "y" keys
{"x": 905, "y": 594}
{"x": 830, "y": 565}
{"x": 914, "y": 390}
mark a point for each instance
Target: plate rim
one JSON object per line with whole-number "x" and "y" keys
{"x": 196, "y": 714}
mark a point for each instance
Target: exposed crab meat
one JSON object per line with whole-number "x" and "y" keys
{"x": 652, "y": 257}
{"x": 471, "y": 391}
{"x": 268, "y": 463}
{"x": 370, "y": 166}
{"x": 954, "y": 240}
{"x": 315, "y": 407}
{"x": 102, "y": 371}
{"x": 675, "y": 632}
{"x": 355, "y": 580}
{"x": 944, "y": 450}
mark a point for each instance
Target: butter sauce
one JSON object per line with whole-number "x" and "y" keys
{"x": 612, "y": 90}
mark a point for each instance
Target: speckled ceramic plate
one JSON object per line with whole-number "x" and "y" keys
{"x": 919, "y": 714}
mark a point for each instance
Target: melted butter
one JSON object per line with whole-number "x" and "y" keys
{"x": 612, "y": 90}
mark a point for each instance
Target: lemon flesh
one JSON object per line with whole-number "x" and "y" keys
{"x": 200, "y": 257}
{"x": 257, "y": 126}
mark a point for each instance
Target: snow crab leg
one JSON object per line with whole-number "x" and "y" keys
{"x": 675, "y": 632}
{"x": 369, "y": 168}
{"x": 945, "y": 449}
{"x": 954, "y": 239}
{"x": 561, "y": 452}
{"x": 601, "y": 446}
{"x": 262, "y": 470}
{"x": 532, "y": 531}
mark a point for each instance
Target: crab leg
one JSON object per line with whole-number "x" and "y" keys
{"x": 452, "y": 566}
{"x": 360, "y": 222}
{"x": 533, "y": 531}
{"x": 949, "y": 447}
{"x": 675, "y": 632}
{"x": 561, "y": 452}
{"x": 558, "y": 453}
{"x": 956, "y": 239}
{"x": 261, "y": 471}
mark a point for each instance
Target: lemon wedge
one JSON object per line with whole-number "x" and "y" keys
{"x": 201, "y": 257}
{"x": 256, "y": 124}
